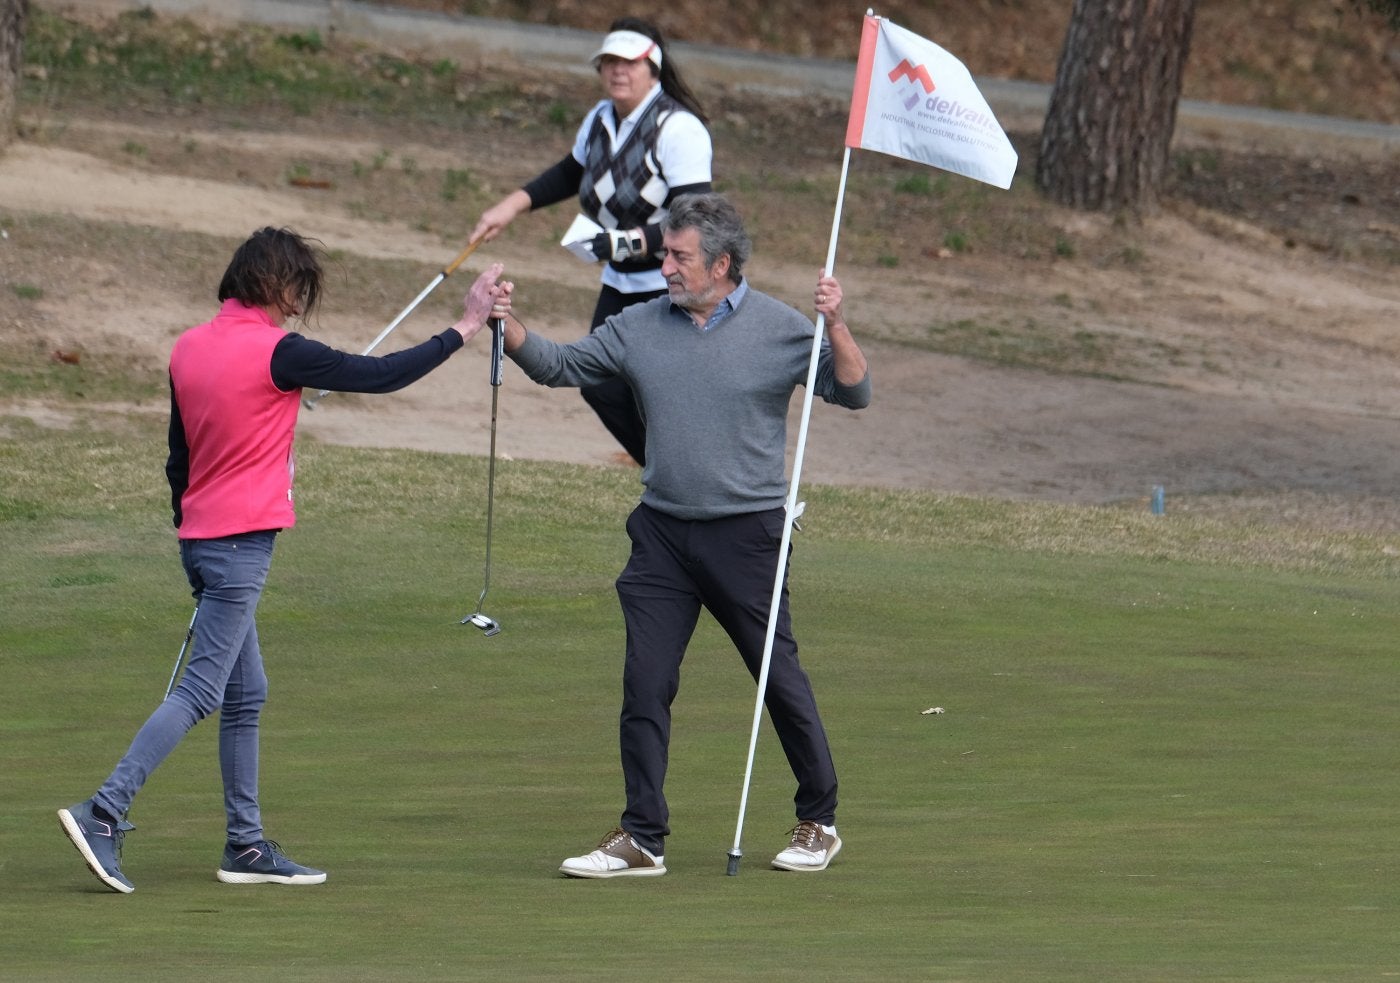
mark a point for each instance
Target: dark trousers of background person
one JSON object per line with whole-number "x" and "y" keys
{"x": 728, "y": 566}
{"x": 612, "y": 400}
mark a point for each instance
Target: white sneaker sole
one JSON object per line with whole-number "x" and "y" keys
{"x": 595, "y": 874}
{"x": 75, "y": 834}
{"x": 229, "y": 877}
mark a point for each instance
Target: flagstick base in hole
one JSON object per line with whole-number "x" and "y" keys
{"x": 734, "y": 856}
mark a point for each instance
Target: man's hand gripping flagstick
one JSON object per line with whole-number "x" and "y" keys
{"x": 893, "y": 111}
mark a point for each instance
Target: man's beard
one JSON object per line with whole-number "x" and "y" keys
{"x": 690, "y": 300}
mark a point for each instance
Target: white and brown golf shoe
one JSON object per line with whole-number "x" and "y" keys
{"x": 618, "y": 855}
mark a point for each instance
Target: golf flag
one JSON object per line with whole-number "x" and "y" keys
{"x": 914, "y": 100}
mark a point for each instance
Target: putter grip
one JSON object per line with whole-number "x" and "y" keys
{"x": 498, "y": 349}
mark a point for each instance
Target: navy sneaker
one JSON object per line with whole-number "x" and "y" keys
{"x": 264, "y": 863}
{"x": 100, "y": 843}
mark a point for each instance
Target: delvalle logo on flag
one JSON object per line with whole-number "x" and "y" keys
{"x": 914, "y": 100}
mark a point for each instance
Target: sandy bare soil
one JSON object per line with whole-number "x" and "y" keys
{"x": 1261, "y": 372}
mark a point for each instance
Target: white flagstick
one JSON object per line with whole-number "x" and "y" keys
{"x": 791, "y": 512}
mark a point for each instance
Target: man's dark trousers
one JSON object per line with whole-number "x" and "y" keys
{"x": 727, "y": 565}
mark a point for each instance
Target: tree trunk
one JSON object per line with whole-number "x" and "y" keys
{"x": 12, "y": 17}
{"x": 1107, "y": 135}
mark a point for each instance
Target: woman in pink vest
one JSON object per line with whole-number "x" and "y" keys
{"x": 235, "y": 386}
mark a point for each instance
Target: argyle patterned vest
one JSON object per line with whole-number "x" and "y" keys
{"x": 625, "y": 190}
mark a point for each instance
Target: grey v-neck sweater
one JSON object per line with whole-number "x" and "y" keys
{"x": 715, "y": 402}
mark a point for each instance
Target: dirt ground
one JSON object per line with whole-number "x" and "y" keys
{"x": 1264, "y": 358}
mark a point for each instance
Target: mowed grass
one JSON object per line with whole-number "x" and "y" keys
{"x": 1161, "y": 758}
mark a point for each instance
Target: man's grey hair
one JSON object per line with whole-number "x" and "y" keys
{"x": 720, "y": 227}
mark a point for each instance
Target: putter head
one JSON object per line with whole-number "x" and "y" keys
{"x": 486, "y": 623}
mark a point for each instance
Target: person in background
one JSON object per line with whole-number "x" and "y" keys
{"x": 636, "y": 151}
{"x": 235, "y": 386}
{"x": 714, "y": 365}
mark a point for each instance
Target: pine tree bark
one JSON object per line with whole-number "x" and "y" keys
{"x": 1106, "y": 142}
{"x": 12, "y": 19}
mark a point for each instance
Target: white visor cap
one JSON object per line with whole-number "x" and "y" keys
{"x": 628, "y": 45}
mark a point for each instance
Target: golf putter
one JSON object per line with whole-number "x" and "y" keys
{"x": 489, "y": 625}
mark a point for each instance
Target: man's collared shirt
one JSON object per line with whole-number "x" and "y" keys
{"x": 722, "y": 310}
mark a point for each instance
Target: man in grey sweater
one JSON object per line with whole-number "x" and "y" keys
{"x": 713, "y": 367}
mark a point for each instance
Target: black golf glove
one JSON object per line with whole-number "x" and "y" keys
{"x": 619, "y": 244}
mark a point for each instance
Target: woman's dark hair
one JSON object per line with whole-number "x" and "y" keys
{"x": 274, "y": 267}
{"x": 671, "y": 82}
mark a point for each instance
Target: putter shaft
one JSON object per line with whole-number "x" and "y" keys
{"x": 180, "y": 659}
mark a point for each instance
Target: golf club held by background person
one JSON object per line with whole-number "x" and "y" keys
{"x": 310, "y": 401}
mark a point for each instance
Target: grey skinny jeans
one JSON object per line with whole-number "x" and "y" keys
{"x": 224, "y": 673}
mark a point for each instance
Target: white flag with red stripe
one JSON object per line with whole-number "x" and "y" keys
{"x": 914, "y": 100}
